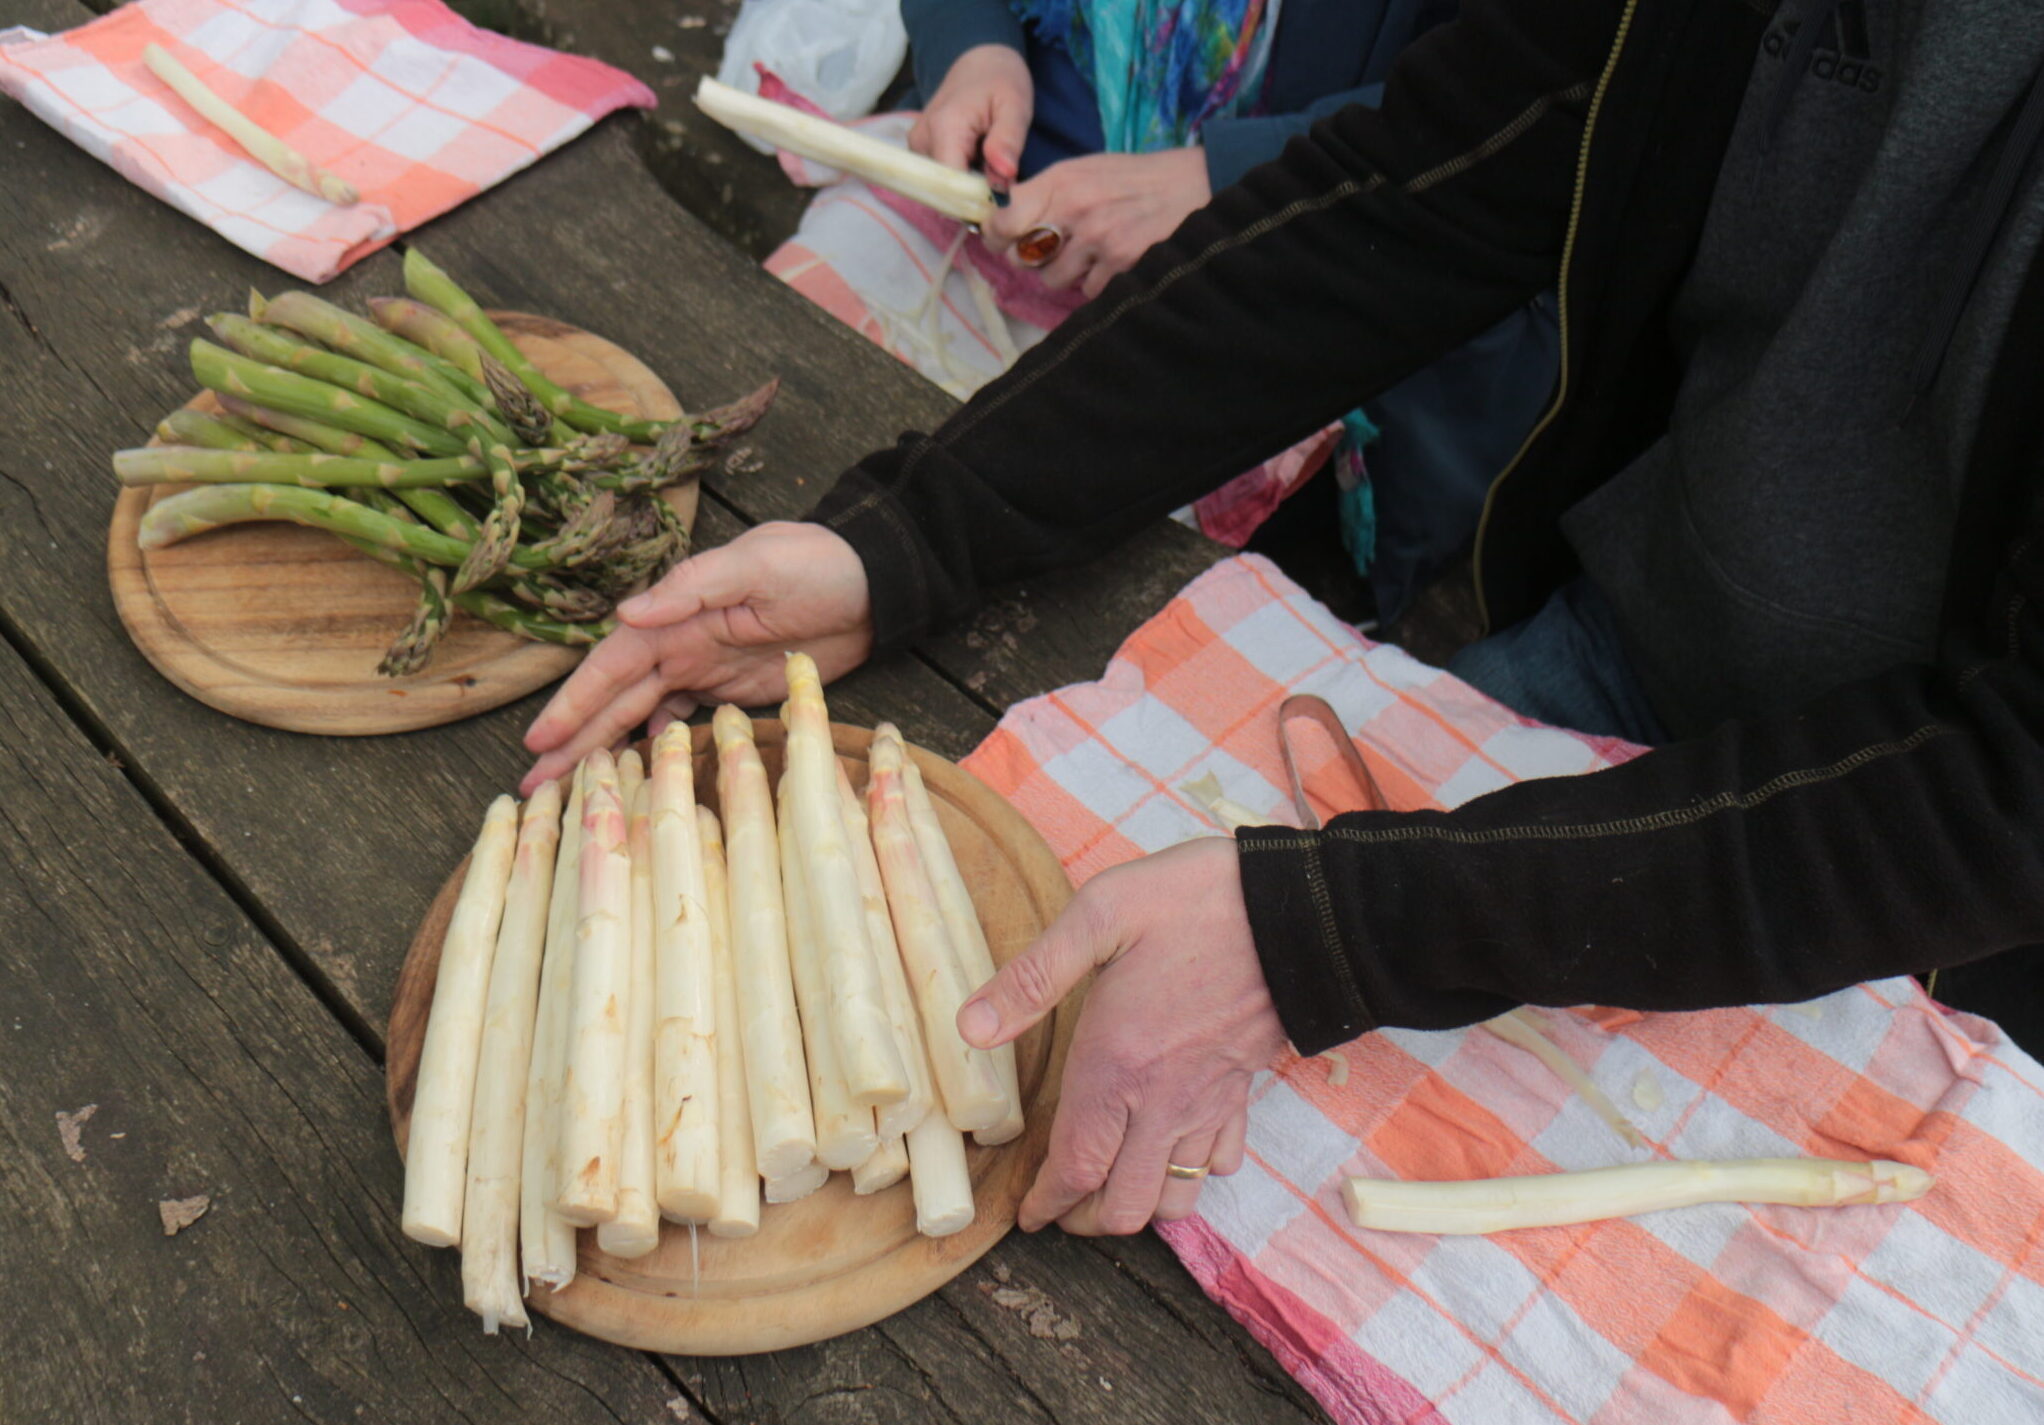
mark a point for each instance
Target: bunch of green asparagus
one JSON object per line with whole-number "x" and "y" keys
{"x": 428, "y": 441}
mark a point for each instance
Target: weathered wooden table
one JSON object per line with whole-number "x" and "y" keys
{"x": 201, "y": 920}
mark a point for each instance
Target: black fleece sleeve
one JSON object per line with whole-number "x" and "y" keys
{"x": 1378, "y": 242}
{"x": 1892, "y": 826}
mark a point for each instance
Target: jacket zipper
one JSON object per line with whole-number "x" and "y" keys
{"x": 1568, "y": 250}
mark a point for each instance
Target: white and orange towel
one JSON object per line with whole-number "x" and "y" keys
{"x": 1931, "y": 1311}
{"x": 407, "y": 101}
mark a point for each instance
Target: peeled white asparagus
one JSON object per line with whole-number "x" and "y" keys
{"x": 546, "y": 1240}
{"x": 631, "y": 773}
{"x": 258, "y": 142}
{"x": 489, "y": 1220}
{"x": 961, "y": 919}
{"x": 635, "y": 1229}
{"x": 1557, "y": 1199}
{"x": 436, "y": 1151}
{"x": 866, "y": 1052}
{"x": 592, "y": 1092}
{"x": 939, "y": 1178}
{"x": 968, "y": 1080}
{"x": 685, "y": 1037}
{"x": 738, "y": 1174}
{"x": 776, "y": 1080}
{"x": 845, "y": 1135}
{"x": 885, "y": 1166}
{"x": 894, "y": 1119}
{"x": 954, "y": 192}
{"x": 1518, "y": 1028}
{"x": 798, "y": 1184}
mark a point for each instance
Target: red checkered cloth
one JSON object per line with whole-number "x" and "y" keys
{"x": 1931, "y": 1311}
{"x": 410, "y": 103}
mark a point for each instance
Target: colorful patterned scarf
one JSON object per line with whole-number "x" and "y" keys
{"x": 1161, "y": 68}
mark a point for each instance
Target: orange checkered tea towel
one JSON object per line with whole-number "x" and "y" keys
{"x": 404, "y": 99}
{"x": 1930, "y": 1311}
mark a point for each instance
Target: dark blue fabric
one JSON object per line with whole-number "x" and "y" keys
{"x": 1565, "y": 666}
{"x": 1066, "y": 122}
{"x": 941, "y": 30}
{"x": 1234, "y": 146}
{"x": 1444, "y": 434}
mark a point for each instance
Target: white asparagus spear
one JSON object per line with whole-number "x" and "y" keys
{"x": 631, "y": 773}
{"x": 939, "y": 1178}
{"x": 845, "y": 1135}
{"x": 776, "y": 1080}
{"x": 961, "y": 919}
{"x": 866, "y": 1052}
{"x": 1556, "y": 1199}
{"x": 635, "y": 1229}
{"x": 738, "y": 1174}
{"x": 592, "y": 1093}
{"x": 546, "y": 1240}
{"x": 798, "y": 1184}
{"x": 955, "y": 192}
{"x": 896, "y": 1118}
{"x": 496, "y": 1134}
{"x": 258, "y": 142}
{"x": 968, "y": 1080}
{"x": 685, "y": 1039}
{"x": 436, "y": 1151}
{"x": 884, "y": 1167}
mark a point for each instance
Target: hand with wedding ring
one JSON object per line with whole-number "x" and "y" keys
{"x": 1108, "y": 208}
{"x": 1156, "y": 1088}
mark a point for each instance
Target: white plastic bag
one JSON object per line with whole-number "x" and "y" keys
{"x": 838, "y": 54}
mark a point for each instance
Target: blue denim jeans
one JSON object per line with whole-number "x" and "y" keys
{"x": 1566, "y": 666}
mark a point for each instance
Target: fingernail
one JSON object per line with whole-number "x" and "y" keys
{"x": 979, "y": 1022}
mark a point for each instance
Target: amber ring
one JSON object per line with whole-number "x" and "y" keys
{"x": 1039, "y": 245}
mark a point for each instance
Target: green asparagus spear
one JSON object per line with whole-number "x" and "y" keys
{"x": 435, "y": 288}
{"x": 282, "y": 349}
{"x": 499, "y": 535}
{"x": 186, "y": 426}
{"x": 231, "y": 374}
{"x": 350, "y": 335}
{"x": 179, "y": 464}
{"x": 209, "y": 507}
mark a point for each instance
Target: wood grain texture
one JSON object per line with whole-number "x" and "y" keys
{"x": 131, "y": 983}
{"x": 284, "y": 626}
{"x": 832, "y": 1262}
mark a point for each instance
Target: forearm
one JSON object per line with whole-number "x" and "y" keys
{"x": 941, "y": 30}
{"x": 1891, "y": 827}
{"x": 1379, "y": 242}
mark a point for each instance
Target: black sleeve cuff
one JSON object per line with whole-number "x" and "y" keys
{"x": 1298, "y": 938}
{"x": 898, "y": 575}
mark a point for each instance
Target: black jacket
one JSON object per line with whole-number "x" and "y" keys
{"x": 1894, "y": 825}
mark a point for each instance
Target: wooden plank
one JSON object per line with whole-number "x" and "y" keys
{"x": 134, "y": 987}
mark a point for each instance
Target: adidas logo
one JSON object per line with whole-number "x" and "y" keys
{"x": 1844, "y": 53}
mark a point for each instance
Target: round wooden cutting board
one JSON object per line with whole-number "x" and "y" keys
{"x": 283, "y": 625}
{"x": 834, "y": 1261}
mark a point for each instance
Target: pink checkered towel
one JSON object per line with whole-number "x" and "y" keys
{"x": 1931, "y": 1311}
{"x": 417, "y": 108}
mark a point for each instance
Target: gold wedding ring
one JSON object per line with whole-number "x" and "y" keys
{"x": 1183, "y": 1173}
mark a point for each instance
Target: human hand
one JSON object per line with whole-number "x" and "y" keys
{"x": 715, "y": 629}
{"x": 1113, "y": 207}
{"x": 982, "y": 110}
{"x": 1177, "y": 1021}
